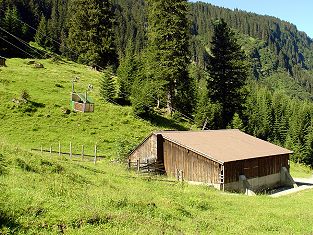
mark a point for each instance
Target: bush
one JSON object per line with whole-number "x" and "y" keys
{"x": 25, "y": 95}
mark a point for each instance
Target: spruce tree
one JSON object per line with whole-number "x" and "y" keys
{"x": 228, "y": 71}
{"x": 41, "y": 33}
{"x": 107, "y": 87}
{"x": 127, "y": 72}
{"x": 167, "y": 55}
{"x": 91, "y": 32}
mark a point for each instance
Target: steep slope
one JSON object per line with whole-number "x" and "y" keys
{"x": 43, "y": 120}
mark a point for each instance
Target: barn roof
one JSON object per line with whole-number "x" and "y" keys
{"x": 224, "y": 145}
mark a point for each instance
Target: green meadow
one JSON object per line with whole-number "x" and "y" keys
{"x": 48, "y": 194}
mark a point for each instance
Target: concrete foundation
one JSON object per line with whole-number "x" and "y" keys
{"x": 250, "y": 186}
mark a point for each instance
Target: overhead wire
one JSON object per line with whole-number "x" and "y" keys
{"x": 22, "y": 41}
{"x": 16, "y": 46}
{"x": 98, "y": 66}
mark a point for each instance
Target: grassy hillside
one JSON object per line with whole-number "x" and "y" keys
{"x": 42, "y": 121}
{"x": 43, "y": 194}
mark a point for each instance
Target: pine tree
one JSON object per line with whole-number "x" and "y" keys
{"x": 228, "y": 71}
{"x": 91, "y": 32}
{"x": 107, "y": 87}
{"x": 41, "y": 33}
{"x": 127, "y": 72}
{"x": 168, "y": 50}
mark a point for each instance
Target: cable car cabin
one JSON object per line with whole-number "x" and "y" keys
{"x": 81, "y": 102}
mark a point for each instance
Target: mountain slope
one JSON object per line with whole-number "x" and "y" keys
{"x": 43, "y": 121}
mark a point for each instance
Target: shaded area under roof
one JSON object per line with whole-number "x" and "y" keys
{"x": 224, "y": 145}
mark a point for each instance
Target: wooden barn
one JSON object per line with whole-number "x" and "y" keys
{"x": 226, "y": 159}
{"x": 2, "y": 61}
{"x": 82, "y": 102}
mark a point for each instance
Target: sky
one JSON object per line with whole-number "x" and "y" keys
{"x": 299, "y": 13}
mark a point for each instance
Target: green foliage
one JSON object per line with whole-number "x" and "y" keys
{"x": 142, "y": 99}
{"x": 107, "y": 87}
{"x": 208, "y": 114}
{"x": 41, "y": 33}
{"x": 228, "y": 72}
{"x": 90, "y": 36}
{"x": 167, "y": 55}
{"x": 237, "y": 123}
{"x": 128, "y": 72}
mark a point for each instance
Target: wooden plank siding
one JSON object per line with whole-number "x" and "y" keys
{"x": 147, "y": 150}
{"x": 255, "y": 167}
{"x": 194, "y": 166}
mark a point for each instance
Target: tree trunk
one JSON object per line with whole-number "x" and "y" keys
{"x": 169, "y": 102}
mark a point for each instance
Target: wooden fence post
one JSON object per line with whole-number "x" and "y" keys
{"x": 182, "y": 175}
{"x": 138, "y": 165}
{"x": 128, "y": 164}
{"x": 59, "y": 148}
{"x": 82, "y": 152}
{"x": 50, "y": 150}
{"x": 41, "y": 150}
{"x": 148, "y": 165}
{"x": 95, "y": 160}
{"x": 71, "y": 150}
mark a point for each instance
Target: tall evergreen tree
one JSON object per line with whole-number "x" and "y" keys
{"x": 41, "y": 33}
{"x": 90, "y": 32}
{"x": 107, "y": 87}
{"x": 228, "y": 71}
{"x": 168, "y": 49}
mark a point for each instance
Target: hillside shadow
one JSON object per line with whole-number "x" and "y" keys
{"x": 166, "y": 123}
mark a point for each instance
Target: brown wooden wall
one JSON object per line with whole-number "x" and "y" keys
{"x": 146, "y": 151}
{"x": 83, "y": 107}
{"x": 194, "y": 166}
{"x": 255, "y": 167}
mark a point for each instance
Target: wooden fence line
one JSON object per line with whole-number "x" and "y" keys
{"x": 70, "y": 153}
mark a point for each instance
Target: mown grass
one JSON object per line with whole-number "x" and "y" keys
{"x": 299, "y": 170}
{"x": 43, "y": 194}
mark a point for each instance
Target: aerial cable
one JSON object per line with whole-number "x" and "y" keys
{"x": 16, "y": 47}
{"x": 22, "y": 41}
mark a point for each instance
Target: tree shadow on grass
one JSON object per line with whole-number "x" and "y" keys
{"x": 37, "y": 105}
{"x": 166, "y": 123}
{"x": 8, "y": 222}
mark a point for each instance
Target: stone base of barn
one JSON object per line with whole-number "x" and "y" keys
{"x": 259, "y": 184}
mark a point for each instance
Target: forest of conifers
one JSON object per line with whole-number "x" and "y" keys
{"x": 278, "y": 93}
